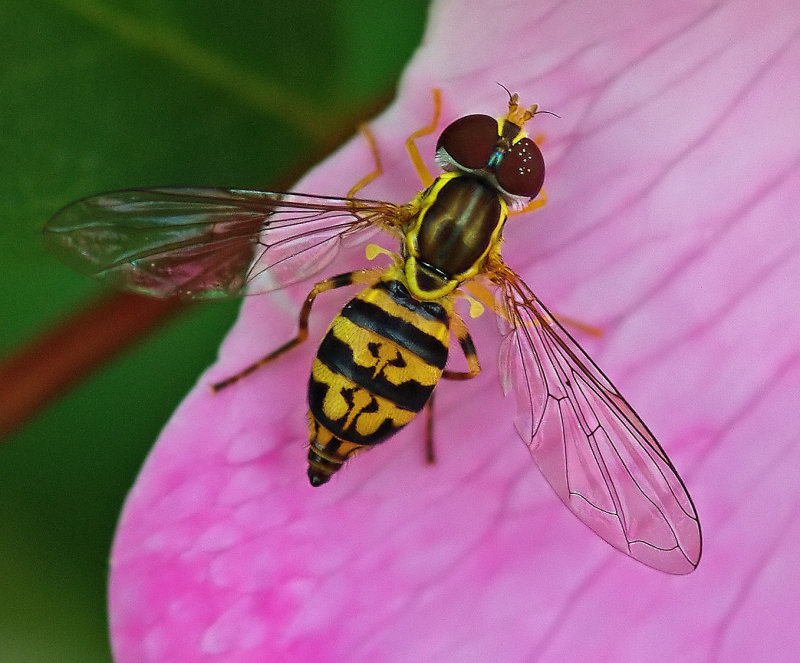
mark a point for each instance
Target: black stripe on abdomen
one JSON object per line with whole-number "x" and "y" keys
{"x": 338, "y": 356}
{"x": 369, "y": 316}
{"x": 316, "y": 396}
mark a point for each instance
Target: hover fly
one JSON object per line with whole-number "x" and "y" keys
{"x": 384, "y": 354}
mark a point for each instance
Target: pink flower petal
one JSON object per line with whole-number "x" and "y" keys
{"x": 674, "y": 185}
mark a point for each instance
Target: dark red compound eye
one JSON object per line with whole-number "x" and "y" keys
{"x": 520, "y": 171}
{"x": 470, "y": 141}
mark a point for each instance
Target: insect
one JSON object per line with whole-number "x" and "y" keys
{"x": 383, "y": 355}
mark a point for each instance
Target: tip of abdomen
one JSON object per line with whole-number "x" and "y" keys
{"x": 327, "y": 455}
{"x": 320, "y": 468}
{"x": 317, "y": 477}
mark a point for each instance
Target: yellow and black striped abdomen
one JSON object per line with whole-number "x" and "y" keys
{"x": 375, "y": 369}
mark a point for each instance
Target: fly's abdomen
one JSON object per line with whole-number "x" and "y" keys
{"x": 375, "y": 369}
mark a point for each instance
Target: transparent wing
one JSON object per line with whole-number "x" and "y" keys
{"x": 591, "y": 446}
{"x": 200, "y": 243}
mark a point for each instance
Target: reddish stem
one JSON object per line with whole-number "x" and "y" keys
{"x": 74, "y": 347}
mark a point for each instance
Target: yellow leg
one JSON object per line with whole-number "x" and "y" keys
{"x": 536, "y": 203}
{"x": 586, "y": 328}
{"x": 377, "y": 171}
{"x": 478, "y": 290}
{"x": 419, "y": 165}
{"x": 461, "y": 332}
{"x": 424, "y": 174}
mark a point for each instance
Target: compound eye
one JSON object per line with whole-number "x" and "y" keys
{"x": 469, "y": 141}
{"x": 521, "y": 170}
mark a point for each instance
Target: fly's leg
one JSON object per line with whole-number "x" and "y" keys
{"x": 360, "y": 276}
{"x": 430, "y": 454}
{"x": 459, "y": 328}
{"x": 413, "y": 153}
{"x": 419, "y": 165}
{"x": 482, "y": 294}
{"x": 474, "y": 367}
{"x": 536, "y": 203}
{"x": 377, "y": 171}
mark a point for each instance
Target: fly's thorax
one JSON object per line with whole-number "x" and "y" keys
{"x": 460, "y": 220}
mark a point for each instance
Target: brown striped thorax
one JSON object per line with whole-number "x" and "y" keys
{"x": 491, "y": 165}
